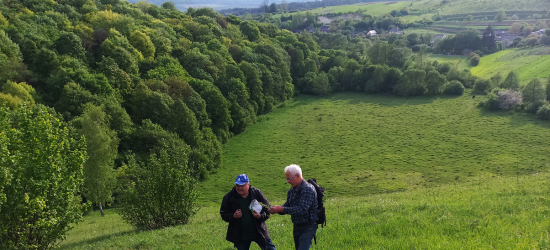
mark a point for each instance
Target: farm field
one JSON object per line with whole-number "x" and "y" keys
{"x": 374, "y": 9}
{"x": 460, "y": 61}
{"x": 473, "y": 6}
{"x": 367, "y": 144}
{"x": 528, "y": 63}
{"x": 489, "y": 212}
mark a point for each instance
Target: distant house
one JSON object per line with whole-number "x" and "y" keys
{"x": 396, "y": 31}
{"x": 371, "y": 33}
{"x": 467, "y": 51}
{"x": 325, "y": 28}
{"x": 437, "y": 37}
{"x": 505, "y": 37}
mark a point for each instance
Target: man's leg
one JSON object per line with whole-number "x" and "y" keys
{"x": 265, "y": 246}
{"x": 305, "y": 238}
{"x": 243, "y": 244}
{"x": 296, "y": 232}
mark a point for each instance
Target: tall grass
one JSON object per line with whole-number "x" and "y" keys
{"x": 489, "y": 212}
{"x": 363, "y": 144}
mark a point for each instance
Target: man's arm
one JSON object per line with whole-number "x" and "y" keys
{"x": 225, "y": 210}
{"x": 305, "y": 199}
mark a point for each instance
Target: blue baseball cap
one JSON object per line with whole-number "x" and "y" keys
{"x": 242, "y": 179}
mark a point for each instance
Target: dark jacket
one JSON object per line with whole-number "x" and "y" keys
{"x": 230, "y": 205}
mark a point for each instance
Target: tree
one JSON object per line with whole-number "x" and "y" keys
{"x": 474, "y": 59}
{"x": 102, "y": 149}
{"x": 489, "y": 38}
{"x": 273, "y": 8}
{"x": 250, "y": 30}
{"x": 40, "y": 178}
{"x": 511, "y": 82}
{"x": 454, "y": 88}
{"x": 70, "y": 44}
{"x": 534, "y": 91}
{"x": 501, "y": 15}
{"x": 435, "y": 82}
{"x": 411, "y": 83}
{"x": 160, "y": 191}
{"x": 509, "y": 98}
{"x": 143, "y": 43}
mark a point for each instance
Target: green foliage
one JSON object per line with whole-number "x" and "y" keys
{"x": 511, "y": 82}
{"x": 250, "y": 30}
{"x": 483, "y": 86}
{"x": 40, "y": 175}
{"x": 158, "y": 192}
{"x": 491, "y": 102}
{"x": 454, "y": 87}
{"x": 533, "y": 92}
{"x": 501, "y": 15}
{"x": 102, "y": 149}
{"x": 143, "y": 43}
{"x": 118, "y": 48}
{"x": 435, "y": 82}
{"x": 474, "y": 59}
{"x": 411, "y": 83}
{"x": 70, "y": 44}
{"x": 22, "y": 91}
{"x": 544, "y": 112}
{"x": 72, "y": 99}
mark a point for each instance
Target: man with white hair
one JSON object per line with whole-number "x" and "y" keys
{"x": 301, "y": 204}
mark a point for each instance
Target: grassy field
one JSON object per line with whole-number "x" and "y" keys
{"x": 528, "y": 63}
{"x": 365, "y": 144}
{"x": 373, "y": 9}
{"x": 489, "y": 212}
{"x": 460, "y": 61}
{"x": 473, "y": 6}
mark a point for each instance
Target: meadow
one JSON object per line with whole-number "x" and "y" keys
{"x": 528, "y": 63}
{"x": 473, "y": 6}
{"x": 489, "y": 212}
{"x": 424, "y": 172}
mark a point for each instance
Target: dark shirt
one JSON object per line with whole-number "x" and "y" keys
{"x": 248, "y": 229}
{"x": 301, "y": 204}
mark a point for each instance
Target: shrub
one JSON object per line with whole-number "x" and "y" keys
{"x": 40, "y": 176}
{"x": 474, "y": 60}
{"x": 491, "y": 102}
{"x": 454, "y": 88}
{"x": 159, "y": 192}
{"x": 544, "y": 112}
{"x": 482, "y": 86}
{"x": 534, "y": 106}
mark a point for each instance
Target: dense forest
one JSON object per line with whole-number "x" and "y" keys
{"x": 134, "y": 101}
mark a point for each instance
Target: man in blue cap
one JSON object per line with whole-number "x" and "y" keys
{"x": 245, "y": 225}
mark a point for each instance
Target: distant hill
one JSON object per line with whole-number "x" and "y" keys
{"x": 215, "y": 4}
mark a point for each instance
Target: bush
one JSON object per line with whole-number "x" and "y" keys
{"x": 544, "y": 112}
{"x": 159, "y": 192}
{"x": 474, "y": 60}
{"x": 40, "y": 178}
{"x": 454, "y": 88}
{"x": 534, "y": 106}
{"x": 482, "y": 86}
{"x": 492, "y": 102}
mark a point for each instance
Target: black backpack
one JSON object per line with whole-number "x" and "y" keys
{"x": 320, "y": 206}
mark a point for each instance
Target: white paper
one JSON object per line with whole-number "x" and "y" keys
{"x": 255, "y": 205}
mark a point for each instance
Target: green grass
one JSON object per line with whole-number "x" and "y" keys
{"x": 459, "y": 61}
{"x": 375, "y": 9}
{"x": 528, "y": 63}
{"x": 472, "y": 6}
{"x": 365, "y": 144}
{"x": 489, "y": 212}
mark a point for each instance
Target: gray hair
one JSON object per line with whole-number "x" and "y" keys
{"x": 293, "y": 169}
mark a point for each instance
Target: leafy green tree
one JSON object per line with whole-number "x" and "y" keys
{"x": 143, "y": 43}
{"x": 435, "y": 82}
{"x": 544, "y": 112}
{"x": 474, "y": 59}
{"x": 501, "y": 15}
{"x": 22, "y": 91}
{"x": 182, "y": 121}
{"x": 454, "y": 87}
{"x": 102, "y": 149}
{"x": 160, "y": 191}
{"x": 483, "y": 86}
{"x": 70, "y": 44}
{"x": 375, "y": 84}
{"x": 511, "y": 82}
{"x": 40, "y": 179}
{"x": 125, "y": 55}
{"x": 72, "y": 99}
{"x": 496, "y": 79}
{"x": 411, "y": 83}
{"x": 217, "y": 108}
{"x": 534, "y": 91}
{"x": 250, "y": 30}
{"x": 147, "y": 104}
{"x": 119, "y": 80}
